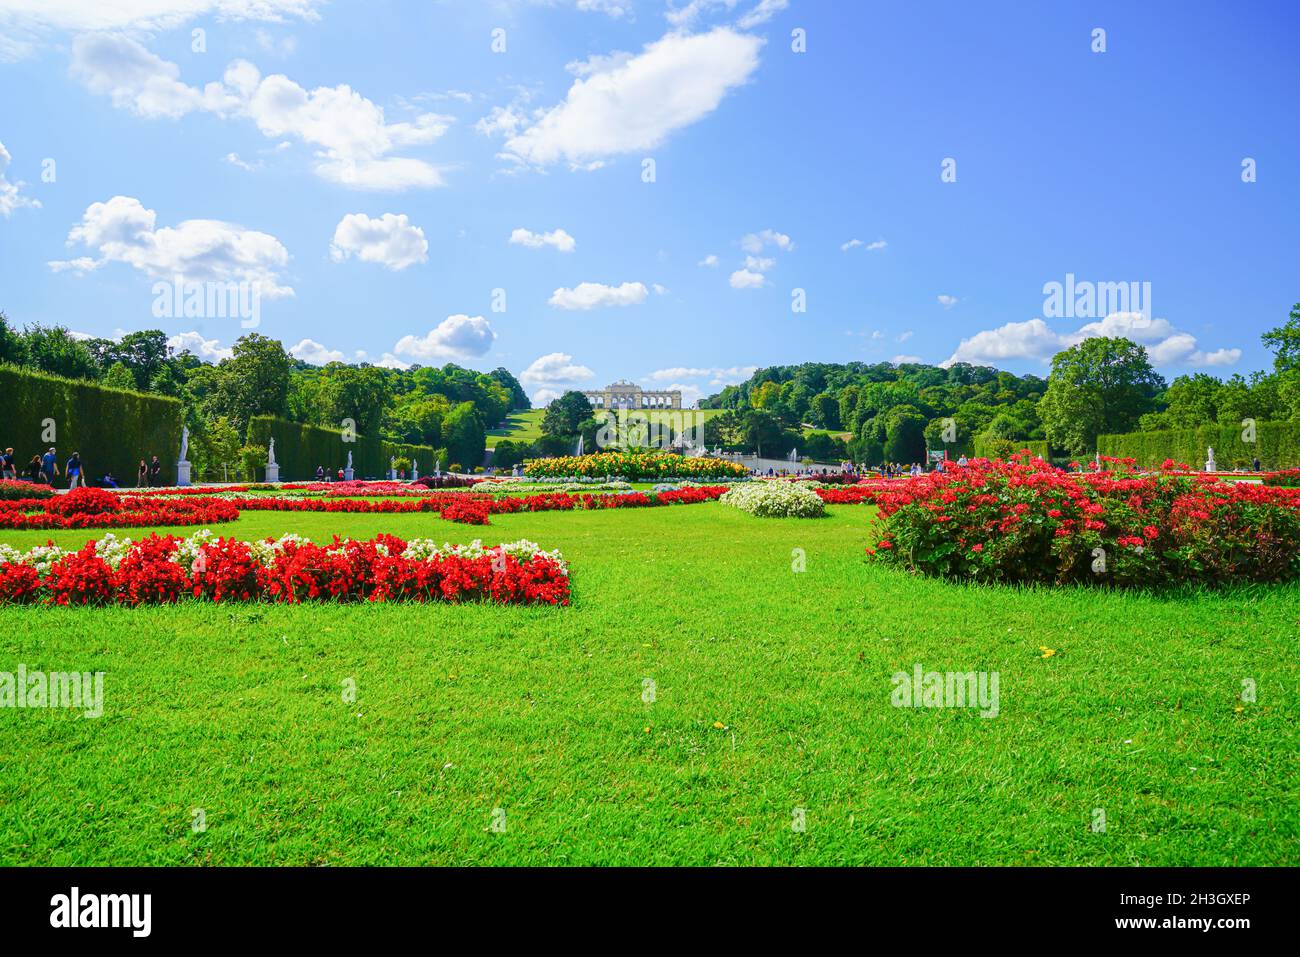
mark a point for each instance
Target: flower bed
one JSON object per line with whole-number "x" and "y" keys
{"x": 634, "y": 466}
{"x": 163, "y": 569}
{"x": 97, "y": 508}
{"x": 776, "y": 500}
{"x": 1287, "y": 478}
{"x": 1029, "y": 522}
{"x": 11, "y": 490}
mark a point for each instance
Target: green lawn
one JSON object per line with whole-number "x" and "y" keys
{"x": 463, "y": 709}
{"x": 522, "y": 426}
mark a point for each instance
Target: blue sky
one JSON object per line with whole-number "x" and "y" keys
{"x": 366, "y": 166}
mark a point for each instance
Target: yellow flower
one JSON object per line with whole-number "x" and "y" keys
{"x": 1047, "y": 652}
{"x": 719, "y": 725}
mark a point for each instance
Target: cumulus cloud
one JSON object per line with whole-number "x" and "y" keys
{"x": 353, "y": 141}
{"x": 710, "y": 261}
{"x": 757, "y": 242}
{"x": 870, "y": 247}
{"x": 594, "y": 295}
{"x": 1036, "y": 340}
{"x": 765, "y": 11}
{"x": 557, "y": 238}
{"x": 946, "y": 301}
{"x": 747, "y": 279}
{"x": 903, "y": 360}
{"x": 10, "y": 197}
{"x": 390, "y": 240}
{"x": 209, "y": 350}
{"x": 623, "y": 103}
{"x": 311, "y": 351}
{"x": 456, "y": 337}
{"x": 121, "y": 230}
{"x": 555, "y": 369}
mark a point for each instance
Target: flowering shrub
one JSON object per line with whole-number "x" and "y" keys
{"x": 99, "y": 508}
{"x": 634, "y": 466}
{"x": 10, "y": 489}
{"x": 1029, "y": 522}
{"x": 775, "y": 500}
{"x": 162, "y": 569}
{"x": 1287, "y": 478}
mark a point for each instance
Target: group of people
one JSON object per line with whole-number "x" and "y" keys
{"x": 323, "y": 474}
{"x": 44, "y": 470}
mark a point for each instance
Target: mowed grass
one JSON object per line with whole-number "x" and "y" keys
{"x": 524, "y": 425}
{"x": 461, "y": 710}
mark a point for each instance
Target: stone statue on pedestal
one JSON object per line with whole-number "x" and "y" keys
{"x": 183, "y": 465}
{"x": 272, "y": 467}
{"x": 1209, "y": 460}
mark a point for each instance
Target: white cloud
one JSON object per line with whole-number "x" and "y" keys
{"x": 309, "y": 350}
{"x": 24, "y": 23}
{"x": 747, "y": 279}
{"x": 710, "y": 261}
{"x": 691, "y": 394}
{"x": 553, "y": 369}
{"x": 593, "y": 295}
{"x": 557, "y": 238}
{"x": 904, "y": 336}
{"x": 717, "y": 376}
{"x": 1036, "y": 340}
{"x": 946, "y": 301}
{"x": 10, "y": 197}
{"x": 686, "y": 15}
{"x": 765, "y": 11}
{"x": 456, "y": 337}
{"x": 196, "y": 250}
{"x": 209, "y": 350}
{"x": 234, "y": 160}
{"x": 756, "y": 242}
{"x": 870, "y": 247}
{"x": 390, "y": 240}
{"x": 900, "y": 360}
{"x": 622, "y": 103}
{"x": 659, "y": 288}
{"x": 354, "y": 142}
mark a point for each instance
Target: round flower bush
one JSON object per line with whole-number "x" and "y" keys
{"x": 12, "y": 490}
{"x": 775, "y": 500}
{"x": 1029, "y": 522}
{"x": 635, "y": 466}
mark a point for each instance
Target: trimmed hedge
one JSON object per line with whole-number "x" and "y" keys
{"x": 1277, "y": 445}
{"x": 1037, "y": 447}
{"x": 113, "y": 429}
{"x": 300, "y": 448}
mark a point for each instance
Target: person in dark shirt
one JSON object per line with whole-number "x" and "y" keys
{"x": 7, "y": 465}
{"x": 49, "y": 467}
{"x": 108, "y": 481}
{"x": 74, "y": 471}
{"x": 1254, "y": 465}
{"x": 155, "y": 472}
{"x": 142, "y": 474}
{"x": 34, "y": 472}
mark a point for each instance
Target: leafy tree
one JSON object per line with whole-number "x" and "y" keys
{"x": 904, "y": 435}
{"x": 118, "y": 376}
{"x": 12, "y": 347}
{"x": 257, "y": 378}
{"x": 55, "y": 350}
{"x": 464, "y": 435}
{"x": 1284, "y": 342}
{"x": 564, "y": 414}
{"x": 1101, "y": 385}
{"x": 762, "y": 428}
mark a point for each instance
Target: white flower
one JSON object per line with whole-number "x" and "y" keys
{"x": 775, "y": 500}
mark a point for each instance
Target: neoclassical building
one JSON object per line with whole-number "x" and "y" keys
{"x": 626, "y": 395}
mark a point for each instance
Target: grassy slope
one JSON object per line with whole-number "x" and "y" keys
{"x": 526, "y": 426}
{"x": 236, "y": 709}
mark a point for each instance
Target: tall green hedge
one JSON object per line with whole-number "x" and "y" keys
{"x": 299, "y": 449}
{"x": 983, "y": 450}
{"x": 113, "y": 429}
{"x": 1277, "y": 445}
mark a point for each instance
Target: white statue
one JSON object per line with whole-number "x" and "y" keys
{"x": 185, "y": 441}
{"x": 349, "y": 460}
{"x": 1209, "y": 460}
{"x": 270, "y": 453}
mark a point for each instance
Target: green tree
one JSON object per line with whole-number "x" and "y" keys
{"x": 564, "y": 414}
{"x": 118, "y": 376}
{"x": 257, "y": 378}
{"x": 1284, "y": 342}
{"x": 904, "y": 435}
{"x": 464, "y": 435}
{"x": 55, "y": 350}
{"x": 1101, "y": 385}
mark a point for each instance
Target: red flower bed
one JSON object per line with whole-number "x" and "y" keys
{"x": 1287, "y": 478}
{"x": 159, "y": 570}
{"x": 1029, "y": 522}
{"x": 98, "y": 508}
{"x": 11, "y": 489}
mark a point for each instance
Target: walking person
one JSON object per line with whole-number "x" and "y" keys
{"x": 7, "y": 469}
{"x": 155, "y": 472}
{"x": 49, "y": 467}
{"x": 35, "y": 471}
{"x": 73, "y": 469}
{"x": 142, "y": 475}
